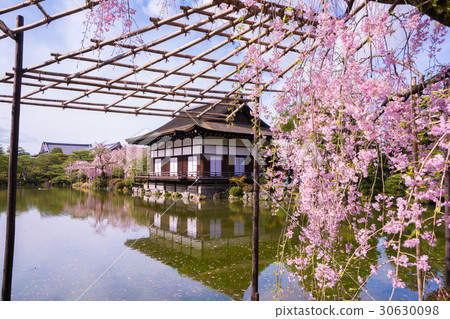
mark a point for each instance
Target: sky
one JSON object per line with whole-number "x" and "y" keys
{"x": 38, "y": 124}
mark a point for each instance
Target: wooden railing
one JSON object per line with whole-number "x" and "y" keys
{"x": 188, "y": 175}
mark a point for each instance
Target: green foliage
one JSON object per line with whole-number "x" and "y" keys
{"x": 95, "y": 184}
{"x": 118, "y": 187}
{"x": 168, "y": 195}
{"x": 177, "y": 195}
{"x": 113, "y": 182}
{"x": 84, "y": 155}
{"x": 235, "y": 191}
{"x": 394, "y": 186}
{"x": 56, "y": 150}
{"x": 238, "y": 180}
{"x": 61, "y": 179}
{"x": 129, "y": 182}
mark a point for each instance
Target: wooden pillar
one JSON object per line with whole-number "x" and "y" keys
{"x": 255, "y": 217}
{"x": 12, "y": 168}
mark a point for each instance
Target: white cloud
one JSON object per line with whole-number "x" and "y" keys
{"x": 155, "y": 8}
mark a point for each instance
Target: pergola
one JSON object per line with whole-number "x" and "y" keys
{"x": 163, "y": 69}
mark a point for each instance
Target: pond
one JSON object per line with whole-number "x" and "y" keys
{"x": 79, "y": 245}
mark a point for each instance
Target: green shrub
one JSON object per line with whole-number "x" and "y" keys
{"x": 112, "y": 182}
{"x": 168, "y": 195}
{"x": 235, "y": 191}
{"x": 129, "y": 182}
{"x": 177, "y": 195}
{"x": 119, "y": 186}
{"x": 395, "y": 186}
{"x": 95, "y": 184}
{"x": 238, "y": 180}
{"x": 125, "y": 190}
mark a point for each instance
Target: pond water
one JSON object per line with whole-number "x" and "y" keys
{"x": 79, "y": 245}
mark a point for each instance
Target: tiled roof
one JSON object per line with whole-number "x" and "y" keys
{"x": 241, "y": 125}
{"x": 66, "y": 148}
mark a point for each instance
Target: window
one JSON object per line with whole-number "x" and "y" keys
{"x": 192, "y": 165}
{"x": 215, "y": 165}
{"x": 157, "y": 166}
{"x": 239, "y": 166}
{"x": 173, "y": 166}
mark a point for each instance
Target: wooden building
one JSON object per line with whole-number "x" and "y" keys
{"x": 199, "y": 156}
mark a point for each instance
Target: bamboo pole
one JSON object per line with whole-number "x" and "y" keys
{"x": 112, "y": 41}
{"x": 8, "y": 99}
{"x": 183, "y": 47}
{"x": 241, "y": 85}
{"x": 98, "y": 86}
{"x": 12, "y": 168}
{"x": 6, "y": 30}
{"x": 131, "y": 84}
{"x": 131, "y": 111}
{"x": 19, "y": 6}
{"x": 265, "y": 86}
{"x": 193, "y": 60}
{"x": 48, "y": 18}
{"x": 135, "y": 50}
{"x": 124, "y": 65}
{"x": 214, "y": 65}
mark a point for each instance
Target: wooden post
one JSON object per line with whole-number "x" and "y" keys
{"x": 12, "y": 168}
{"x": 255, "y": 217}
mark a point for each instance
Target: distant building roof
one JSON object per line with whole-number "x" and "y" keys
{"x": 113, "y": 146}
{"x": 66, "y": 148}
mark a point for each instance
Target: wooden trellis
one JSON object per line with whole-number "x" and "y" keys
{"x": 129, "y": 74}
{"x": 137, "y": 88}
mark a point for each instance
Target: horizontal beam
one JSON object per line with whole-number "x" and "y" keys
{"x": 44, "y": 104}
{"x": 19, "y": 6}
{"x": 108, "y": 92}
{"x": 49, "y": 19}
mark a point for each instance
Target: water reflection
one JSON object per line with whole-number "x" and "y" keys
{"x": 175, "y": 250}
{"x": 209, "y": 243}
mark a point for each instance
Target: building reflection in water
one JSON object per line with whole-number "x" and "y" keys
{"x": 215, "y": 228}
{"x": 238, "y": 228}
{"x": 157, "y": 220}
{"x": 173, "y": 223}
{"x": 192, "y": 227}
